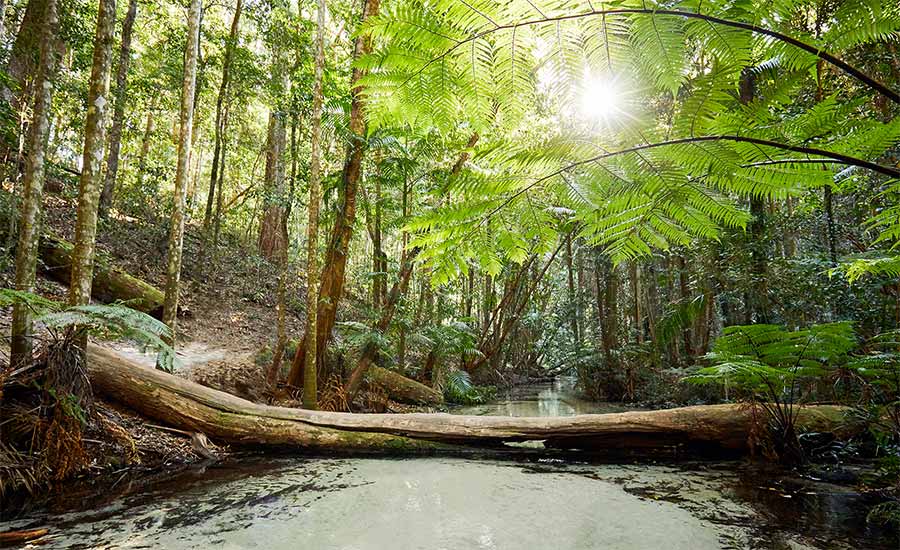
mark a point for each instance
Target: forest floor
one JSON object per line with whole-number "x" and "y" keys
{"x": 229, "y": 316}
{"x": 228, "y": 323}
{"x": 228, "y": 307}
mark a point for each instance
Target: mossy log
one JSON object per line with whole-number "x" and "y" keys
{"x": 224, "y": 417}
{"x": 110, "y": 283}
{"x": 403, "y": 389}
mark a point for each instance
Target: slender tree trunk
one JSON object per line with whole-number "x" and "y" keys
{"x": 115, "y": 133}
{"x": 759, "y": 301}
{"x": 830, "y": 227}
{"x": 310, "y": 366}
{"x": 570, "y": 278}
{"x": 611, "y": 312}
{"x": 218, "y": 160}
{"x": 470, "y": 290}
{"x": 332, "y": 278}
{"x": 33, "y": 186}
{"x": 94, "y": 141}
{"x": 281, "y": 307}
{"x": 790, "y": 238}
{"x": 652, "y": 301}
{"x": 220, "y": 186}
{"x": 685, "y": 292}
{"x": 146, "y": 141}
{"x": 392, "y": 300}
{"x": 635, "y": 275}
{"x": 176, "y": 234}
{"x": 379, "y": 261}
{"x": 270, "y": 243}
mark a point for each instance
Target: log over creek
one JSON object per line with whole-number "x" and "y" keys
{"x": 224, "y": 417}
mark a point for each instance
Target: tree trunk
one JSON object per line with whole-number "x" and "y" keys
{"x": 611, "y": 314}
{"x": 146, "y": 141}
{"x": 32, "y": 192}
{"x": 403, "y": 389}
{"x": 758, "y": 306}
{"x": 270, "y": 242}
{"x": 281, "y": 332}
{"x": 635, "y": 275}
{"x": 379, "y": 260}
{"x": 573, "y": 306}
{"x": 109, "y": 283}
{"x": 311, "y": 360}
{"x": 176, "y": 233}
{"x": 685, "y": 293}
{"x": 220, "y": 210}
{"x": 190, "y": 406}
{"x": 218, "y": 160}
{"x": 829, "y": 225}
{"x": 94, "y": 140}
{"x": 332, "y": 277}
{"x": 115, "y": 133}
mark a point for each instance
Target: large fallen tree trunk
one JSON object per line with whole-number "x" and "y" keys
{"x": 222, "y": 416}
{"x": 403, "y": 389}
{"x": 110, "y": 284}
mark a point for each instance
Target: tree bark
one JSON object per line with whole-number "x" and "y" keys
{"x": 311, "y": 360}
{"x": 218, "y": 160}
{"x": 573, "y": 306}
{"x": 115, "y": 132}
{"x": 94, "y": 141}
{"x": 270, "y": 241}
{"x": 109, "y": 283}
{"x": 637, "y": 316}
{"x": 32, "y": 192}
{"x": 685, "y": 292}
{"x": 403, "y": 389}
{"x": 190, "y": 406}
{"x": 176, "y": 233}
{"x": 398, "y": 290}
{"x": 146, "y": 141}
{"x": 758, "y": 306}
{"x": 332, "y": 278}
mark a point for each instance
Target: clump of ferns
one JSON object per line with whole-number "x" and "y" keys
{"x": 47, "y": 401}
{"x": 775, "y": 370}
{"x": 445, "y": 344}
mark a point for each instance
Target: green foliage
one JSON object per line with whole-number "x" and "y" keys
{"x": 768, "y": 360}
{"x": 458, "y": 388}
{"x": 886, "y": 514}
{"x": 360, "y": 336}
{"x": 113, "y": 321}
{"x": 770, "y": 365}
{"x": 669, "y": 169}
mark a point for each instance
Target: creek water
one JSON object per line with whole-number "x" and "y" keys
{"x": 467, "y": 504}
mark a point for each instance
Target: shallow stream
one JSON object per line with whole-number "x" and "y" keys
{"x": 463, "y": 504}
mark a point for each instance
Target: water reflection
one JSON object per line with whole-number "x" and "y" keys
{"x": 556, "y": 398}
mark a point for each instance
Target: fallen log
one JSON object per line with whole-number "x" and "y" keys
{"x": 403, "y": 389}
{"x": 110, "y": 283}
{"x": 222, "y": 416}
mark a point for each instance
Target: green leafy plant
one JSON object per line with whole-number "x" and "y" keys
{"x": 113, "y": 321}
{"x": 773, "y": 368}
{"x": 880, "y": 370}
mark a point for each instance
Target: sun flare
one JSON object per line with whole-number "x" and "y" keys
{"x": 601, "y": 98}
